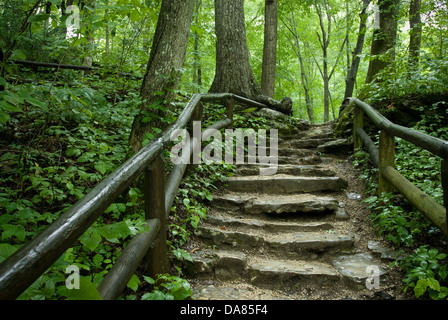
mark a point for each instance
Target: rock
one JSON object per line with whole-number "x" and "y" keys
{"x": 341, "y": 214}
{"x": 285, "y": 184}
{"x": 382, "y": 252}
{"x": 272, "y": 114}
{"x": 335, "y": 147}
{"x": 230, "y": 265}
{"x": 289, "y": 169}
{"x": 353, "y": 196}
{"x": 284, "y": 272}
{"x": 357, "y": 268}
{"x": 284, "y": 106}
{"x": 251, "y": 204}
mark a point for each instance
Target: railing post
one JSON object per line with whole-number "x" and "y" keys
{"x": 358, "y": 122}
{"x": 386, "y": 158}
{"x": 444, "y": 174}
{"x": 229, "y": 103}
{"x": 156, "y": 259}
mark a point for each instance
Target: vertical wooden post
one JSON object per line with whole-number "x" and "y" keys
{"x": 229, "y": 104}
{"x": 358, "y": 122}
{"x": 196, "y": 133}
{"x": 444, "y": 173}
{"x": 386, "y": 158}
{"x": 156, "y": 259}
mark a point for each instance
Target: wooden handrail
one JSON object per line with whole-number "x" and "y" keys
{"x": 23, "y": 267}
{"x": 383, "y": 158}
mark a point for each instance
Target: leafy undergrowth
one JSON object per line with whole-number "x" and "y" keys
{"x": 57, "y": 144}
{"x": 425, "y": 265}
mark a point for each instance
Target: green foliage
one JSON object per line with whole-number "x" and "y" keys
{"x": 425, "y": 268}
{"x": 426, "y": 272}
{"x": 168, "y": 287}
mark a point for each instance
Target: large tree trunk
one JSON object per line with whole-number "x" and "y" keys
{"x": 270, "y": 48}
{"x": 384, "y": 38}
{"x": 233, "y": 71}
{"x": 162, "y": 73}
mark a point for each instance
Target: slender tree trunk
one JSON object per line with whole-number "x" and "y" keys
{"x": 270, "y": 48}
{"x": 324, "y": 43}
{"x": 163, "y": 70}
{"x": 197, "y": 71}
{"x": 384, "y": 38}
{"x": 415, "y": 33}
{"x": 233, "y": 71}
{"x": 304, "y": 78}
{"x": 353, "y": 71}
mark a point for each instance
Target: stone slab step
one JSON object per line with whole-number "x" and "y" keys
{"x": 286, "y": 151}
{"x": 292, "y": 272}
{"x": 296, "y": 203}
{"x": 284, "y": 184}
{"x": 340, "y": 146}
{"x": 304, "y": 143}
{"x": 289, "y": 169}
{"x": 223, "y": 265}
{"x": 266, "y": 225}
{"x": 283, "y": 244}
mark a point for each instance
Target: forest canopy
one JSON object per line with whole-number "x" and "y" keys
{"x": 316, "y": 45}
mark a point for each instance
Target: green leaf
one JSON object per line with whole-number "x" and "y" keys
{"x": 91, "y": 239}
{"x": 134, "y": 283}
{"x": 113, "y": 232}
{"x": 13, "y": 230}
{"x": 4, "y": 117}
{"x": 156, "y": 295}
{"x": 6, "y": 250}
{"x": 87, "y": 291}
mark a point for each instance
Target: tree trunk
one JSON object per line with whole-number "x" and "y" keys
{"x": 197, "y": 70}
{"x": 308, "y": 100}
{"x": 233, "y": 71}
{"x": 384, "y": 38}
{"x": 270, "y": 48}
{"x": 353, "y": 71}
{"x": 324, "y": 43}
{"x": 415, "y": 33}
{"x": 163, "y": 70}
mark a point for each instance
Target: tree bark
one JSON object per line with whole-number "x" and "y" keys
{"x": 353, "y": 71}
{"x": 270, "y": 48}
{"x": 415, "y": 33}
{"x": 163, "y": 70}
{"x": 233, "y": 71}
{"x": 384, "y": 38}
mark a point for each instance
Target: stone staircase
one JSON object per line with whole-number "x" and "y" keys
{"x": 285, "y": 236}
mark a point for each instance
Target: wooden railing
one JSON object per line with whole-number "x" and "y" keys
{"x": 23, "y": 267}
{"x": 383, "y": 158}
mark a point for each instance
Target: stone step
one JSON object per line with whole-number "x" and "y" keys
{"x": 284, "y": 184}
{"x": 289, "y": 169}
{"x": 292, "y": 273}
{"x": 286, "y": 151}
{"x": 296, "y": 244}
{"x": 304, "y": 143}
{"x": 230, "y": 265}
{"x": 255, "y": 204}
{"x": 340, "y": 146}
{"x": 238, "y": 222}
